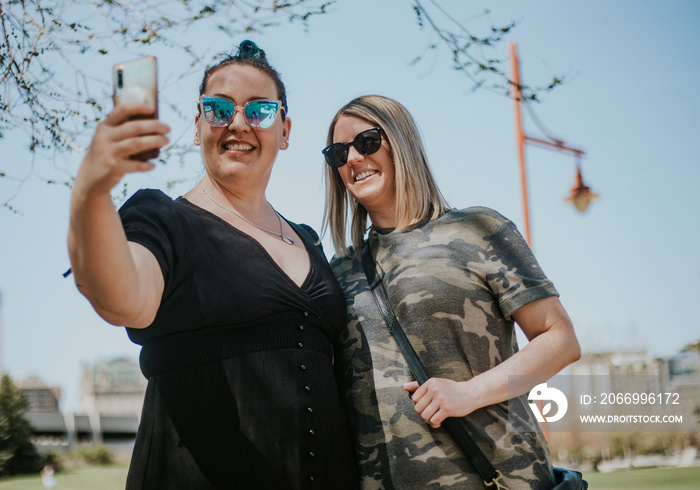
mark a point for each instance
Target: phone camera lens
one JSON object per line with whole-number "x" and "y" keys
{"x": 120, "y": 78}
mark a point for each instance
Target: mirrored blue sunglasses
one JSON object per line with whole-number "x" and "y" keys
{"x": 259, "y": 114}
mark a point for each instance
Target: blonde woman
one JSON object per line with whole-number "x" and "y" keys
{"x": 458, "y": 281}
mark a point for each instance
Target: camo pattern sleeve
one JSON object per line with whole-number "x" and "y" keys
{"x": 454, "y": 284}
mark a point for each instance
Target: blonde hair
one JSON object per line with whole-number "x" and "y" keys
{"x": 417, "y": 194}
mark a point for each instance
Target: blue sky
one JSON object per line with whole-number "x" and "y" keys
{"x": 628, "y": 270}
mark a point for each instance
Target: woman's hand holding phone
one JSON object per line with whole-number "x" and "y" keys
{"x": 130, "y": 135}
{"x": 123, "y": 135}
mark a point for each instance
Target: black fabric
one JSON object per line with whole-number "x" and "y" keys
{"x": 217, "y": 275}
{"x": 241, "y": 388}
{"x": 568, "y": 480}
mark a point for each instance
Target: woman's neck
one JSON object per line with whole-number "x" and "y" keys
{"x": 384, "y": 218}
{"x": 208, "y": 191}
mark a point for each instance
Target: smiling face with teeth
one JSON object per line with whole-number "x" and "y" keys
{"x": 237, "y": 153}
{"x": 369, "y": 178}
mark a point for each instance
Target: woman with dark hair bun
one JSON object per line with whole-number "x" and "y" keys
{"x": 234, "y": 306}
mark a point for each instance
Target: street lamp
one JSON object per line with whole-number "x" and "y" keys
{"x": 580, "y": 195}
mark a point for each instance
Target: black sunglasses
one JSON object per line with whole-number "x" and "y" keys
{"x": 366, "y": 143}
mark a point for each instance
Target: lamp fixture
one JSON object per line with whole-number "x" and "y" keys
{"x": 581, "y": 195}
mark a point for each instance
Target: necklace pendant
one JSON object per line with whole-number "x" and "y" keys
{"x": 286, "y": 239}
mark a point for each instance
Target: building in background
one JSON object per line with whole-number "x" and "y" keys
{"x": 115, "y": 388}
{"x": 112, "y": 395}
{"x": 39, "y": 397}
{"x": 43, "y": 413}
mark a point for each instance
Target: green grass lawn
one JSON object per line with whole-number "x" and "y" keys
{"x": 114, "y": 478}
{"x": 648, "y": 478}
{"x": 89, "y": 478}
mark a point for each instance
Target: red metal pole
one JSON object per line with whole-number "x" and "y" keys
{"x": 520, "y": 140}
{"x": 520, "y": 137}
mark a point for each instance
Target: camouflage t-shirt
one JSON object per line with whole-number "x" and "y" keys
{"x": 454, "y": 283}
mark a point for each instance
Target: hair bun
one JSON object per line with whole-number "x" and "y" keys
{"x": 249, "y": 50}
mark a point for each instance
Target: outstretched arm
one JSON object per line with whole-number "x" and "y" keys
{"x": 122, "y": 280}
{"x": 553, "y": 346}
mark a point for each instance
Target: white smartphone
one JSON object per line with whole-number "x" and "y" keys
{"x": 137, "y": 81}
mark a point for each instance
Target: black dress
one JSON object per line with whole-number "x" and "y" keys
{"x": 241, "y": 389}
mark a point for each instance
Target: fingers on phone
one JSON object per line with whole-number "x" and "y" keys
{"x": 127, "y": 111}
{"x": 148, "y": 147}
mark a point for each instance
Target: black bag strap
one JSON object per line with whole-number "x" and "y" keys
{"x": 489, "y": 474}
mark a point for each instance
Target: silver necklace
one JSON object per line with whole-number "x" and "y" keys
{"x": 282, "y": 236}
